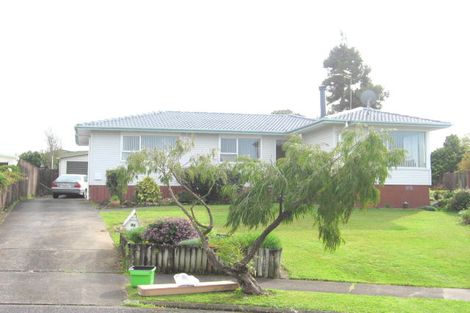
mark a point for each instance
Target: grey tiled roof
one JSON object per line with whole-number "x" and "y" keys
{"x": 204, "y": 122}
{"x": 368, "y": 115}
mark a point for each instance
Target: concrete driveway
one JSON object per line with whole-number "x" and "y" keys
{"x": 57, "y": 251}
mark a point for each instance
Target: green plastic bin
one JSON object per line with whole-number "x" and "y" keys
{"x": 142, "y": 275}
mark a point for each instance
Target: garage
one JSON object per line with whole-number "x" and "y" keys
{"x": 74, "y": 162}
{"x": 77, "y": 167}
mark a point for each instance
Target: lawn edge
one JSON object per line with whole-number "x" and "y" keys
{"x": 225, "y": 307}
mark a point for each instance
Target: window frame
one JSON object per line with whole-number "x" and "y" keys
{"x": 426, "y": 165}
{"x": 140, "y": 142}
{"x": 129, "y": 151}
{"x": 236, "y": 154}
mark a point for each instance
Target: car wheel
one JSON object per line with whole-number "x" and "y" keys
{"x": 55, "y": 196}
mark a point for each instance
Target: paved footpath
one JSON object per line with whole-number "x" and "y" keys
{"x": 352, "y": 288}
{"x": 57, "y": 251}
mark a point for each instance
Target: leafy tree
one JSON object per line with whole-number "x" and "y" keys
{"x": 33, "y": 157}
{"x": 464, "y": 164}
{"x": 307, "y": 183}
{"x": 348, "y": 77}
{"x": 447, "y": 158}
{"x": 285, "y": 111}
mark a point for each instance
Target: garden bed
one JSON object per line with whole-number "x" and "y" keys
{"x": 192, "y": 260}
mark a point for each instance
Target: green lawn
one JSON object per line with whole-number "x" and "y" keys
{"x": 387, "y": 246}
{"x": 304, "y": 300}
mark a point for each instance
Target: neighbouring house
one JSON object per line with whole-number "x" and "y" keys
{"x": 73, "y": 162}
{"x": 259, "y": 136}
{"x": 8, "y": 160}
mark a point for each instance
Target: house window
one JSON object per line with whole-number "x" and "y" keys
{"x": 131, "y": 144}
{"x": 231, "y": 148}
{"x": 157, "y": 142}
{"x": 414, "y": 144}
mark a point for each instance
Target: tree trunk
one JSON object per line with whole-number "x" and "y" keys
{"x": 248, "y": 283}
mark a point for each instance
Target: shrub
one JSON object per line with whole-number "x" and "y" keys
{"x": 465, "y": 217}
{"x": 216, "y": 195}
{"x": 232, "y": 248}
{"x": 9, "y": 174}
{"x": 170, "y": 231}
{"x": 185, "y": 197}
{"x": 135, "y": 235}
{"x": 246, "y": 239}
{"x": 460, "y": 201}
{"x": 117, "y": 181}
{"x": 147, "y": 191}
{"x": 440, "y": 198}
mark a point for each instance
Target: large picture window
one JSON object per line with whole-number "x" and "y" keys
{"x": 414, "y": 144}
{"x": 231, "y": 148}
{"x": 131, "y": 144}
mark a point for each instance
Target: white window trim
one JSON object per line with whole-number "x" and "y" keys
{"x": 427, "y": 161}
{"x": 260, "y": 150}
{"x": 140, "y": 142}
{"x": 129, "y": 151}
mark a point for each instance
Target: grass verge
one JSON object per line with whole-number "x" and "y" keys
{"x": 314, "y": 301}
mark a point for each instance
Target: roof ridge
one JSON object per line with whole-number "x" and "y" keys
{"x": 258, "y": 114}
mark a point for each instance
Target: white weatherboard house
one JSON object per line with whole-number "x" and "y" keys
{"x": 259, "y": 136}
{"x": 8, "y": 160}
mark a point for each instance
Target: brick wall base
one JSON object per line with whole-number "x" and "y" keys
{"x": 390, "y": 195}
{"x": 101, "y": 193}
{"x": 396, "y": 195}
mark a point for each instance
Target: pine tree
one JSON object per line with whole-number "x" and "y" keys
{"x": 348, "y": 77}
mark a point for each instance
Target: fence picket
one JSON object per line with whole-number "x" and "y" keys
{"x": 267, "y": 263}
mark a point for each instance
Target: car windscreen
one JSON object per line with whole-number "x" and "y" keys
{"x": 68, "y": 179}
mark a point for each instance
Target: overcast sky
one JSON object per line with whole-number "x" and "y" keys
{"x": 67, "y": 62}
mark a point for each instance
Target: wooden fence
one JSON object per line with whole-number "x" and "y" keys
{"x": 36, "y": 181}
{"x": 457, "y": 180}
{"x": 46, "y": 177}
{"x": 22, "y": 189}
{"x": 176, "y": 259}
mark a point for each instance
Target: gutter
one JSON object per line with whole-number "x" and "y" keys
{"x": 350, "y": 122}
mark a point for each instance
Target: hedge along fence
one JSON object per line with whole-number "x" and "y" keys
{"x": 193, "y": 260}
{"x": 22, "y": 189}
{"x": 36, "y": 181}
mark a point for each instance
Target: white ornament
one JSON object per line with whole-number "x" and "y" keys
{"x": 131, "y": 221}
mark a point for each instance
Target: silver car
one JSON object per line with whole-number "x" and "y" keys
{"x": 70, "y": 185}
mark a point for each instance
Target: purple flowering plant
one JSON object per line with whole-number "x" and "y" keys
{"x": 169, "y": 231}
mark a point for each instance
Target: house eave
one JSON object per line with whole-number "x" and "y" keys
{"x": 85, "y": 132}
{"x": 384, "y": 124}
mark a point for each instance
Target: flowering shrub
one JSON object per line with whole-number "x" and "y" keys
{"x": 169, "y": 231}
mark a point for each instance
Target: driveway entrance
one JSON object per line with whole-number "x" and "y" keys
{"x": 58, "y": 252}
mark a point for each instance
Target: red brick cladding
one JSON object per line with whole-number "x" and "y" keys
{"x": 395, "y": 195}
{"x": 391, "y": 195}
{"x": 101, "y": 193}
